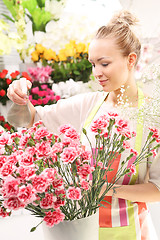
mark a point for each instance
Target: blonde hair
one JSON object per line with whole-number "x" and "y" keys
{"x": 120, "y": 28}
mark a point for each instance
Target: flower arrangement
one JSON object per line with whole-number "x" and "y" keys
{"x": 43, "y": 95}
{"x": 70, "y": 62}
{"x": 52, "y": 176}
{"x": 6, "y": 125}
{"x": 6, "y": 79}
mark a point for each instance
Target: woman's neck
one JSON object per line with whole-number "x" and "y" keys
{"x": 124, "y": 95}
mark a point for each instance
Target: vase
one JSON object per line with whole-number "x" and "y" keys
{"x": 79, "y": 229}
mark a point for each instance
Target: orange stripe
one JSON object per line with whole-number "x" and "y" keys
{"x": 142, "y": 213}
{"x": 105, "y": 217}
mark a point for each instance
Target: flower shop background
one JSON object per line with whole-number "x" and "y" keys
{"x": 75, "y": 23}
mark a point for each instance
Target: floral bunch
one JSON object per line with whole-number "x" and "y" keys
{"x": 55, "y": 177}
{"x": 43, "y": 95}
{"x": 40, "y": 74}
{"x": 6, "y": 79}
{"x": 6, "y": 125}
{"x": 70, "y": 62}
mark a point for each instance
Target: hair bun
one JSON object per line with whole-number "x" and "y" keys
{"x": 124, "y": 17}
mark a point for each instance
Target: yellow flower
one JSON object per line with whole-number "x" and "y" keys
{"x": 80, "y": 47}
{"x": 49, "y": 54}
{"x": 62, "y": 55}
{"x": 34, "y": 56}
{"x": 39, "y": 48}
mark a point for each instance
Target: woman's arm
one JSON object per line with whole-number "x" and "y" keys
{"x": 145, "y": 192}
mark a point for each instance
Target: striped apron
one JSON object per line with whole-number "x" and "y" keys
{"x": 123, "y": 219}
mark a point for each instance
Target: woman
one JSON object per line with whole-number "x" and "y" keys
{"x": 114, "y": 53}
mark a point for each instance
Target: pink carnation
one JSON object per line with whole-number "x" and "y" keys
{"x": 69, "y": 155}
{"x": 133, "y": 169}
{"x": 74, "y": 193}
{"x": 52, "y": 218}
{"x": 47, "y": 201}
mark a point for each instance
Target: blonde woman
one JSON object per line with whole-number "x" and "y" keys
{"x": 114, "y": 53}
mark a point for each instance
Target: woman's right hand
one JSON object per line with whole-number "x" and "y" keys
{"x": 15, "y": 94}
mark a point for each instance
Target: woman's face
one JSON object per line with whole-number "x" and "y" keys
{"x": 110, "y": 67}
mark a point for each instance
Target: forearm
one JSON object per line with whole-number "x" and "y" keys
{"x": 146, "y": 192}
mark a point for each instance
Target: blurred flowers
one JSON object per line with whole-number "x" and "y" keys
{"x": 42, "y": 95}
{"x": 6, "y": 125}
{"x": 70, "y": 62}
{"x": 6, "y": 79}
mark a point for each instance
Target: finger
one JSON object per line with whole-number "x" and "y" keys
{"x": 15, "y": 97}
{"x": 16, "y": 87}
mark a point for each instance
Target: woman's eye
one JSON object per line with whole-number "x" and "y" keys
{"x": 104, "y": 64}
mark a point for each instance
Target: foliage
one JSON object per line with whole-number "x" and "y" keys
{"x": 33, "y": 9}
{"x": 71, "y": 62}
{"x": 55, "y": 178}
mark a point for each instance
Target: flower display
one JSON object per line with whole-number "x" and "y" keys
{"x": 6, "y": 125}
{"x": 40, "y": 74}
{"x": 58, "y": 33}
{"x": 42, "y": 95}
{"x": 70, "y": 62}
{"x": 55, "y": 177}
{"x": 6, "y": 79}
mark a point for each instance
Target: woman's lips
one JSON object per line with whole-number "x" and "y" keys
{"x": 102, "y": 82}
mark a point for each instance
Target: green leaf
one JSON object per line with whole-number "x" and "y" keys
{"x": 9, "y": 18}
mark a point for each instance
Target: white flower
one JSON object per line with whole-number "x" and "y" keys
{"x": 55, "y": 7}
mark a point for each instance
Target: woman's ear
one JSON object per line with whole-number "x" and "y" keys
{"x": 132, "y": 57}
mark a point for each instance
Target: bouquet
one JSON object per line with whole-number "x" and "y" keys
{"x": 70, "y": 62}
{"x": 52, "y": 176}
{"x": 6, "y": 79}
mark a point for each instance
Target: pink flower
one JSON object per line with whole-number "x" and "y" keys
{"x": 134, "y": 151}
{"x": 74, "y": 193}
{"x": 84, "y": 170}
{"x": 13, "y": 203}
{"x": 86, "y": 155}
{"x": 154, "y": 153}
{"x": 72, "y": 133}
{"x": 155, "y": 132}
{"x": 57, "y": 183}
{"x": 100, "y": 124}
{"x": 69, "y": 154}
{"x": 126, "y": 144}
{"x": 26, "y": 194}
{"x": 84, "y": 185}
{"x": 25, "y": 172}
{"x": 40, "y": 183}
{"x": 6, "y": 169}
{"x": 133, "y": 169}
{"x": 10, "y": 187}
{"x": 54, "y": 217}
{"x": 63, "y": 128}
{"x": 58, "y": 203}
{"x": 4, "y": 213}
{"x": 41, "y": 133}
{"x": 47, "y": 201}
{"x": 5, "y": 138}
{"x": 43, "y": 149}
